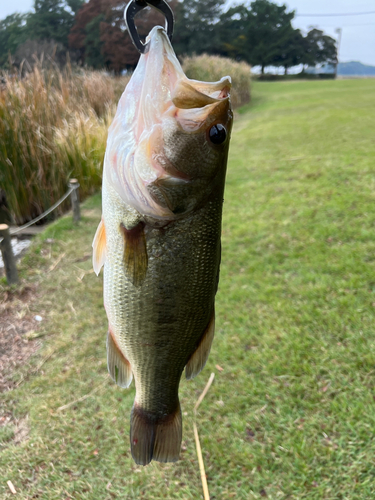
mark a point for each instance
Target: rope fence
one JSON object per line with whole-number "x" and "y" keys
{"x": 6, "y": 233}
{"x": 44, "y": 214}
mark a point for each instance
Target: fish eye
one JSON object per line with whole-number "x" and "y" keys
{"x": 217, "y": 134}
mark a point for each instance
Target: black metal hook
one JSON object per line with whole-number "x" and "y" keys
{"x": 136, "y": 6}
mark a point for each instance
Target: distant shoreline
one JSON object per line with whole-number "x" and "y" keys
{"x": 350, "y": 77}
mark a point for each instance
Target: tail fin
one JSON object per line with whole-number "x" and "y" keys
{"x": 155, "y": 437}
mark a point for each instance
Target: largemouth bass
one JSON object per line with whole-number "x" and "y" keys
{"x": 159, "y": 238}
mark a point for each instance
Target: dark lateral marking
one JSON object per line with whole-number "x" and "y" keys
{"x": 135, "y": 253}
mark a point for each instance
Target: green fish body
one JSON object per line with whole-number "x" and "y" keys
{"x": 159, "y": 239}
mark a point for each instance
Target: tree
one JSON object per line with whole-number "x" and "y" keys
{"x": 93, "y": 43}
{"x": 319, "y": 48}
{"x": 260, "y": 34}
{"x": 51, "y": 20}
{"x": 118, "y": 49}
{"x": 233, "y": 30}
{"x": 290, "y": 50}
{"x": 75, "y": 5}
{"x": 103, "y": 21}
{"x": 78, "y": 33}
{"x": 12, "y": 34}
{"x": 196, "y": 27}
{"x": 268, "y": 24}
{"x": 47, "y": 27}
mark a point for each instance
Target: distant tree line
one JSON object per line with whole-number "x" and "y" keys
{"x": 93, "y": 34}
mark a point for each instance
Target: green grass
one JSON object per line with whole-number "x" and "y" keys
{"x": 292, "y": 415}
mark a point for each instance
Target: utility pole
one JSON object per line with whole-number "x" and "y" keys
{"x": 338, "y": 31}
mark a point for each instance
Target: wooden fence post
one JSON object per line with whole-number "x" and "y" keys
{"x": 74, "y": 196}
{"x": 4, "y": 209}
{"x": 7, "y": 253}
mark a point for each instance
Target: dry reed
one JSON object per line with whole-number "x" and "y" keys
{"x": 53, "y": 126}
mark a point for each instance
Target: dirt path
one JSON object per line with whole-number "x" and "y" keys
{"x": 18, "y": 329}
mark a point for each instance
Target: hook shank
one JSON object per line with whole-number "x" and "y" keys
{"x": 134, "y": 7}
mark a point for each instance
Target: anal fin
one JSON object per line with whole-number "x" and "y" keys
{"x": 135, "y": 253}
{"x": 199, "y": 357}
{"x": 99, "y": 246}
{"x": 118, "y": 366}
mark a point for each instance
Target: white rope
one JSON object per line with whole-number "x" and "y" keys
{"x": 51, "y": 209}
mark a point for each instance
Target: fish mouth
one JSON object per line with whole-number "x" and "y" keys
{"x": 193, "y": 104}
{"x": 176, "y": 93}
{"x": 189, "y": 94}
{"x": 158, "y": 97}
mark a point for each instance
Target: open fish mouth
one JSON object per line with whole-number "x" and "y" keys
{"x": 159, "y": 104}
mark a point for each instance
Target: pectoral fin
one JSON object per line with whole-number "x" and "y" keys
{"x": 118, "y": 366}
{"x": 199, "y": 357}
{"x": 99, "y": 246}
{"x": 135, "y": 253}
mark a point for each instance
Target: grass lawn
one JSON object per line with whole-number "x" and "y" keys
{"x": 292, "y": 413}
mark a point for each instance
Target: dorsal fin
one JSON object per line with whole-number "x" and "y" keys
{"x": 99, "y": 246}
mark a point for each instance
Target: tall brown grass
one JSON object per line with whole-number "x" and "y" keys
{"x": 213, "y": 68}
{"x": 53, "y": 126}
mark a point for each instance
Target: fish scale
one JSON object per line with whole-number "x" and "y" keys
{"x": 199, "y": 236}
{"x": 159, "y": 239}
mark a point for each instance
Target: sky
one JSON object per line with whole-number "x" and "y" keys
{"x": 358, "y": 31}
